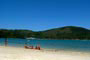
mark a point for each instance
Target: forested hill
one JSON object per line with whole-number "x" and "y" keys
{"x": 67, "y": 32}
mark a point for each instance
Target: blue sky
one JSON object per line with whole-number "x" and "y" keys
{"x": 44, "y": 14}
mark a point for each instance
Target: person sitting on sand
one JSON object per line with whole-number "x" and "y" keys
{"x": 37, "y": 47}
{"x": 31, "y": 47}
{"x": 28, "y": 47}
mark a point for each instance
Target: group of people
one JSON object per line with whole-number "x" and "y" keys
{"x": 31, "y": 47}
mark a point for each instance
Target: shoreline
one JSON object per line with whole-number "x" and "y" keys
{"x": 17, "y": 53}
{"x": 51, "y": 49}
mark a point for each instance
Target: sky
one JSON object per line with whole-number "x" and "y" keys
{"x": 40, "y": 15}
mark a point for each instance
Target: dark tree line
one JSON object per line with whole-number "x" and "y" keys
{"x": 68, "y": 32}
{"x": 4, "y": 33}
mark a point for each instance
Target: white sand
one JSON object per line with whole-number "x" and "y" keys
{"x": 13, "y": 53}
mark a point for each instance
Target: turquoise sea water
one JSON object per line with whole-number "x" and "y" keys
{"x": 76, "y": 45}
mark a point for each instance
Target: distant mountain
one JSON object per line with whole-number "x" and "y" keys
{"x": 67, "y": 32}
{"x": 68, "y": 29}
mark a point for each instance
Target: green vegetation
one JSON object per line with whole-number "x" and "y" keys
{"x": 5, "y": 33}
{"x": 67, "y": 32}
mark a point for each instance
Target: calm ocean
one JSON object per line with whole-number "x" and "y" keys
{"x": 76, "y": 45}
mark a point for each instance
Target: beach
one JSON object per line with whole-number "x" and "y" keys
{"x": 16, "y": 53}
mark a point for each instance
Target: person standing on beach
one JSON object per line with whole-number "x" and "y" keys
{"x": 6, "y": 42}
